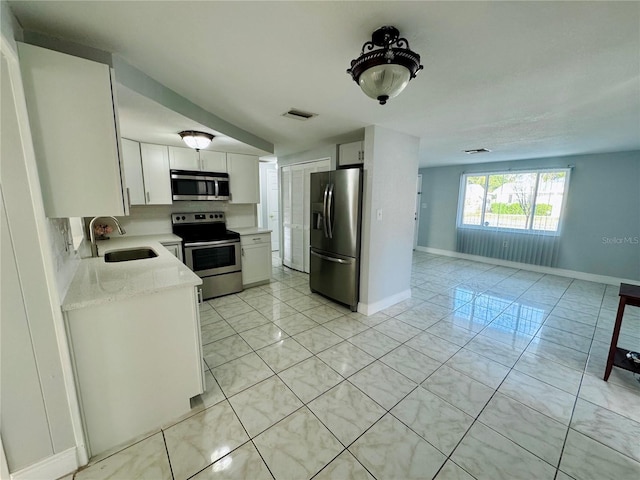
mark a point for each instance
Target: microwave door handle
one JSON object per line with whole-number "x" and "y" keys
{"x": 324, "y": 210}
{"x": 330, "y": 211}
{"x": 217, "y": 188}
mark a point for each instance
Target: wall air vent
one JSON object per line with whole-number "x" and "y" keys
{"x": 299, "y": 114}
{"x": 476, "y": 150}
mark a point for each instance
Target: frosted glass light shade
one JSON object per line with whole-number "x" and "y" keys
{"x": 384, "y": 81}
{"x": 197, "y": 140}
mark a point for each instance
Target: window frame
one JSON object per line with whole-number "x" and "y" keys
{"x": 525, "y": 231}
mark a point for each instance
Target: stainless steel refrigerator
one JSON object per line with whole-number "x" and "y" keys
{"x": 336, "y": 206}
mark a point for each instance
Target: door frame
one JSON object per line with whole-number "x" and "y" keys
{"x": 416, "y": 230}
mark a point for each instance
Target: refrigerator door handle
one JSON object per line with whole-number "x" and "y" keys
{"x": 330, "y": 259}
{"x": 330, "y": 214}
{"x": 324, "y": 211}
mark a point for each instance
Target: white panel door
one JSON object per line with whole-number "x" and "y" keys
{"x": 155, "y": 168}
{"x": 417, "y": 213}
{"x": 297, "y": 217}
{"x": 71, "y": 113}
{"x": 272, "y": 208}
{"x": 133, "y": 171}
{"x": 244, "y": 178}
{"x": 285, "y": 173}
{"x": 211, "y": 161}
{"x": 183, "y": 158}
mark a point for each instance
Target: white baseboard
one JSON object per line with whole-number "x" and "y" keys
{"x": 53, "y": 467}
{"x": 371, "y": 308}
{"x": 561, "y": 272}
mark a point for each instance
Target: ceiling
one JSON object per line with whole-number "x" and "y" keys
{"x": 522, "y": 79}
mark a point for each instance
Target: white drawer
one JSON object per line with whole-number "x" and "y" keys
{"x": 247, "y": 240}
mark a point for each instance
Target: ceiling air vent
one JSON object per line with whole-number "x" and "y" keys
{"x": 476, "y": 150}
{"x": 299, "y": 114}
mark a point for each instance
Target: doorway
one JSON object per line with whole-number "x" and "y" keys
{"x": 416, "y": 228}
{"x": 268, "y": 210}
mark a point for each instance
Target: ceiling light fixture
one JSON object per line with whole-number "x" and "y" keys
{"x": 384, "y": 72}
{"x": 195, "y": 139}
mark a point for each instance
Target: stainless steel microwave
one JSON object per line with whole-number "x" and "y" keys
{"x": 195, "y": 185}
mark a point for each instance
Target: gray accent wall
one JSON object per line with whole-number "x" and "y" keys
{"x": 601, "y": 229}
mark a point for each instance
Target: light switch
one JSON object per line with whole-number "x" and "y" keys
{"x": 379, "y": 214}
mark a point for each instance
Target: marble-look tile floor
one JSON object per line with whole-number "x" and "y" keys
{"x": 487, "y": 372}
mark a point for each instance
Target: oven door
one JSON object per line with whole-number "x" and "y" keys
{"x": 213, "y": 258}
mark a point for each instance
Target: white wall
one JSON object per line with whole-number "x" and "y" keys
{"x": 390, "y": 171}
{"x": 30, "y": 305}
{"x": 152, "y": 219}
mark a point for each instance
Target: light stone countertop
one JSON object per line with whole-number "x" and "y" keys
{"x": 250, "y": 230}
{"x": 97, "y": 282}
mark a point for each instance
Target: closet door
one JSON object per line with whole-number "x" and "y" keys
{"x": 297, "y": 216}
{"x": 295, "y": 191}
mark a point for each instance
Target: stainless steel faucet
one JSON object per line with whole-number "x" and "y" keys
{"x": 92, "y": 233}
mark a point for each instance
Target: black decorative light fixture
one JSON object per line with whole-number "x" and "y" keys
{"x": 195, "y": 139}
{"x": 383, "y": 73}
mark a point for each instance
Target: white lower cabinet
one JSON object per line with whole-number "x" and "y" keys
{"x": 175, "y": 249}
{"x": 256, "y": 258}
{"x": 137, "y": 362}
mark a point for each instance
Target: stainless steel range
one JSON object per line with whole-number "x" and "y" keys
{"x": 211, "y": 251}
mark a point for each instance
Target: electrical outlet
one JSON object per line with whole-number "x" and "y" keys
{"x": 505, "y": 244}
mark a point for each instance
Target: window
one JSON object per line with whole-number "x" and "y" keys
{"x": 526, "y": 201}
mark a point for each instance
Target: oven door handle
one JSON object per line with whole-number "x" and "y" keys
{"x": 207, "y": 244}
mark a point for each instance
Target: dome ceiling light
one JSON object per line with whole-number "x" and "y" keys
{"x": 197, "y": 140}
{"x": 383, "y": 73}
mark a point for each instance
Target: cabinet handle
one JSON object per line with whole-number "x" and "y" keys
{"x": 200, "y": 299}
{"x": 129, "y": 197}
{"x": 148, "y": 198}
{"x": 242, "y": 251}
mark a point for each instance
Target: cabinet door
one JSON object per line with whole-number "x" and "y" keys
{"x": 351, "y": 154}
{"x": 213, "y": 161}
{"x": 285, "y": 183}
{"x": 72, "y": 117}
{"x": 175, "y": 249}
{"x": 256, "y": 263}
{"x": 244, "y": 177}
{"x": 155, "y": 168}
{"x": 133, "y": 171}
{"x": 183, "y": 159}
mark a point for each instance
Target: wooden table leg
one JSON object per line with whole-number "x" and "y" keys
{"x": 614, "y": 338}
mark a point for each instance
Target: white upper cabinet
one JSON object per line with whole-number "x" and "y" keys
{"x": 155, "y": 169}
{"x": 351, "y": 154}
{"x": 147, "y": 173}
{"x": 183, "y": 159}
{"x": 205, "y": 160}
{"x": 133, "y": 171}
{"x": 73, "y": 123}
{"x": 244, "y": 178}
{"x": 211, "y": 161}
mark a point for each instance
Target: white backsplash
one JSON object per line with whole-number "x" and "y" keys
{"x": 65, "y": 259}
{"x": 152, "y": 219}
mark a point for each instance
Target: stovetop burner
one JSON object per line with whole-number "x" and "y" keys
{"x": 202, "y": 227}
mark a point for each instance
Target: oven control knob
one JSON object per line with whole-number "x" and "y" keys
{"x": 211, "y": 216}
{"x": 183, "y": 217}
{"x": 177, "y": 219}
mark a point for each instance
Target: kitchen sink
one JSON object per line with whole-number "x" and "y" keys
{"x": 129, "y": 254}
